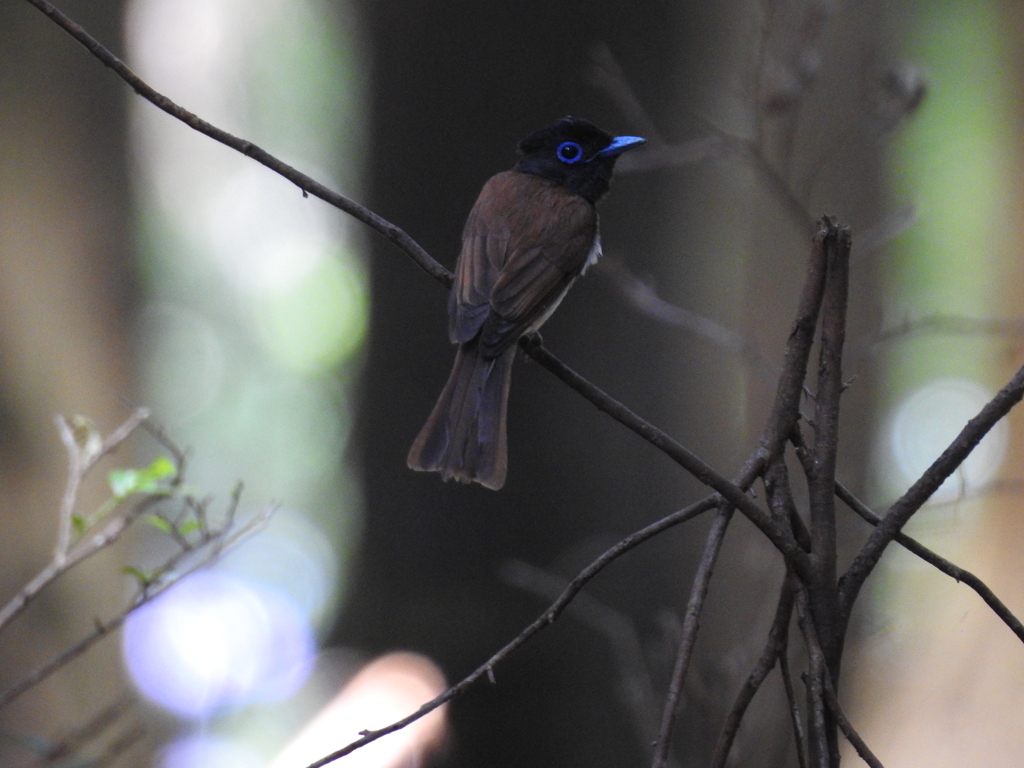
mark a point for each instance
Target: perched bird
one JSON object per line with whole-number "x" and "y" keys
{"x": 531, "y": 233}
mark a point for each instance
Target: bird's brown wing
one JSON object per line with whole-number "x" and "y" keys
{"x": 525, "y": 242}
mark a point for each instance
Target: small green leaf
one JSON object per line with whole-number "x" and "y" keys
{"x": 159, "y": 523}
{"x": 162, "y": 468}
{"x": 123, "y": 482}
{"x": 79, "y": 524}
{"x": 188, "y": 526}
{"x": 139, "y": 575}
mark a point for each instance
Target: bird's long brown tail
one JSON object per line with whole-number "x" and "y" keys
{"x": 465, "y": 436}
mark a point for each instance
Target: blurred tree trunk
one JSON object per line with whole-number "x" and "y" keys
{"x": 66, "y": 290}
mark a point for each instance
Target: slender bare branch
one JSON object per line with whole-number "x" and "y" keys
{"x": 794, "y": 709}
{"x": 91, "y": 730}
{"x": 81, "y": 460}
{"x": 952, "y": 325}
{"x": 247, "y": 148}
{"x": 905, "y": 507}
{"x": 119, "y": 746}
{"x": 818, "y": 743}
{"x": 645, "y": 299}
{"x": 774, "y": 648}
{"x": 950, "y": 569}
{"x": 541, "y": 622}
{"x": 636, "y": 690}
{"x": 847, "y": 728}
{"x": 691, "y": 624}
{"x": 776, "y": 533}
{"x": 607, "y": 74}
{"x": 822, "y": 587}
{"x": 223, "y": 537}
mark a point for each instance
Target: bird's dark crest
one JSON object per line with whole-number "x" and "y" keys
{"x": 588, "y": 135}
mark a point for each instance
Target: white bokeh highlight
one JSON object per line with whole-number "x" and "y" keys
{"x": 217, "y": 641}
{"x": 928, "y": 420}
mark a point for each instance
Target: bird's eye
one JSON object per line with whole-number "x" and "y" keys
{"x": 569, "y": 152}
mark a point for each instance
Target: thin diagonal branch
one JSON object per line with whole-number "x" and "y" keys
{"x": 644, "y": 298}
{"x": 607, "y": 74}
{"x": 247, "y": 148}
{"x": 950, "y": 569}
{"x": 847, "y": 728}
{"x": 905, "y": 507}
{"x": 696, "y": 466}
{"x": 221, "y": 540}
{"x": 81, "y": 460}
{"x": 619, "y": 629}
{"x": 92, "y": 730}
{"x": 543, "y": 621}
{"x": 773, "y": 650}
{"x": 827, "y": 687}
{"x": 691, "y": 623}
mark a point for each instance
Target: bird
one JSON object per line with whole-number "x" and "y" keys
{"x": 532, "y": 231}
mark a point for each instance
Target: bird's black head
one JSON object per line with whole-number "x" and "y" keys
{"x": 576, "y": 154}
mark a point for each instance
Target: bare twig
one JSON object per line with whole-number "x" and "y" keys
{"x": 81, "y": 460}
{"x": 673, "y": 155}
{"x": 904, "y": 508}
{"x": 222, "y": 539}
{"x": 619, "y": 629}
{"x": 696, "y": 466}
{"x": 118, "y": 747}
{"x": 948, "y": 568}
{"x": 822, "y": 587}
{"x": 794, "y": 709}
{"x": 825, "y": 686}
{"x": 883, "y": 232}
{"x": 847, "y": 728}
{"x": 774, "y": 648}
{"x": 691, "y": 623}
{"x": 486, "y": 670}
{"x": 818, "y": 740}
{"x": 645, "y": 298}
{"x": 952, "y": 325}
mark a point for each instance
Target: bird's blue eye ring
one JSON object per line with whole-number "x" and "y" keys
{"x": 569, "y": 152}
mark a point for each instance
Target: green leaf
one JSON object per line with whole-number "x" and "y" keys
{"x": 123, "y": 482}
{"x": 79, "y": 524}
{"x": 162, "y": 468}
{"x": 143, "y": 579}
{"x": 188, "y": 526}
{"x": 159, "y": 523}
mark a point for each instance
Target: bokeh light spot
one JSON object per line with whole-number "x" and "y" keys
{"x": 385, "y": 690}
{"x": 216, "y": 641}
{"x": 929, "y": 419}
{"x": 317, "y": 322}
{"x": 207, "y": 752}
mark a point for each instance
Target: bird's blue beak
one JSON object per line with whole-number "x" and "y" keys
{"x": 619, "y": 145}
